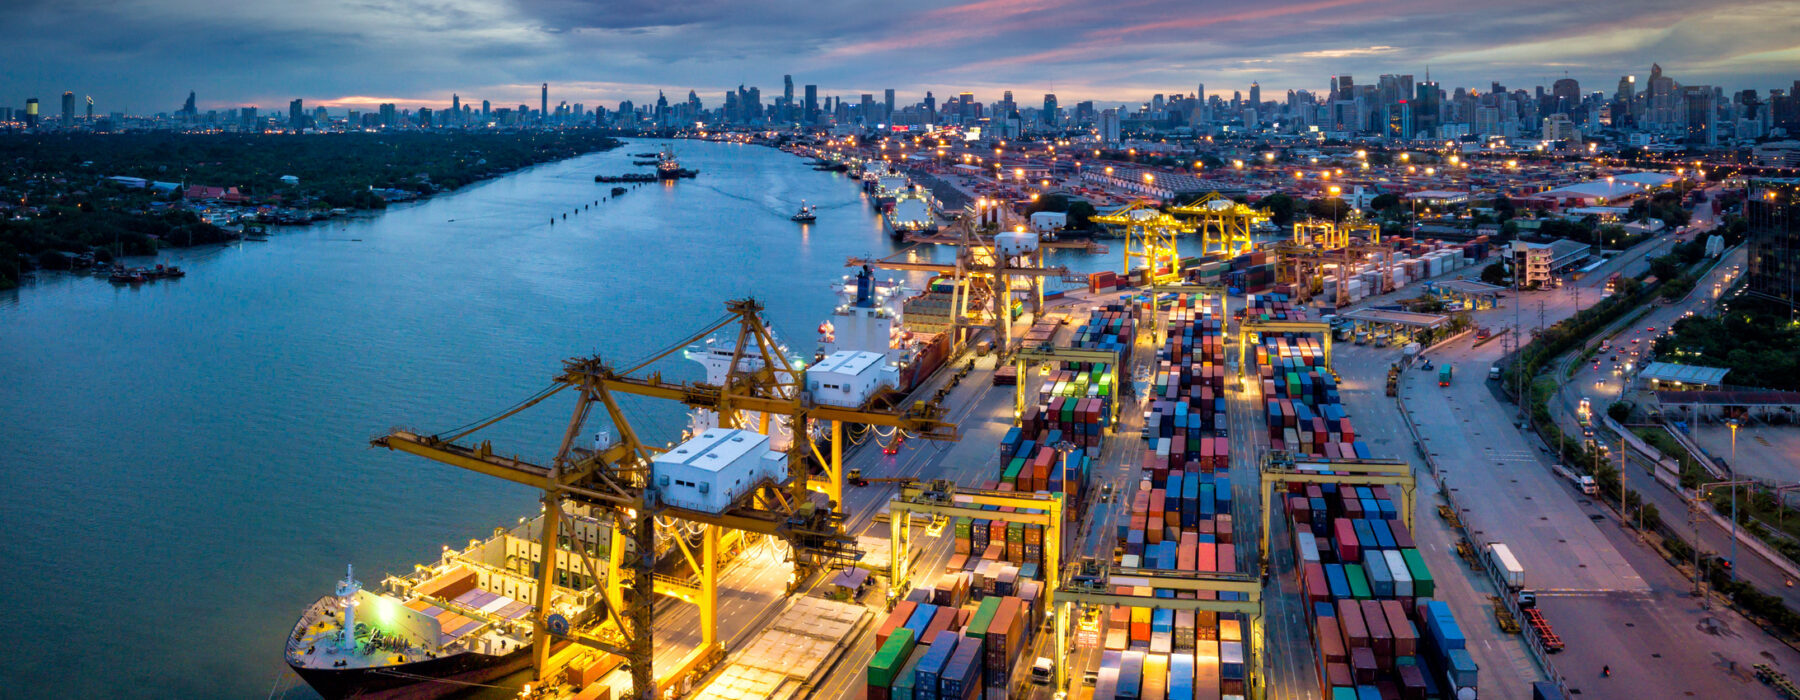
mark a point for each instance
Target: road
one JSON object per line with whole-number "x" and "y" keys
{"x": 1610, "y": 597}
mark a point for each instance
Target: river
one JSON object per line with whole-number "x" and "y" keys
{"x": 185, "y": 463}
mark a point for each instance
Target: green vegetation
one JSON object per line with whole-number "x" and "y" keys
{"x": 1754, "y": 339}
{"x": 1495, "y": 273}
{"x": 57, "y": 195}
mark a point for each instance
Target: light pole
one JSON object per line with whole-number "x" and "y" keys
{"x": 1731, "y": 473}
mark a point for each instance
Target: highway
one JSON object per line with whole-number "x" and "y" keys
{"x": 1607, "y": 594}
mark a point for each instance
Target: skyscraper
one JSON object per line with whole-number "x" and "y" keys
{"x": 487, "y": 110}
{"x": 1773, "y": 213}
{"x": 888, "y": 115}
{"x": 296, "y": 115}
{"x": 812, "y": 104}
{"x": 1567, "y": 93}
{"x": 1109, "y": 126}
{"x": 868, "y": 109}
{"x": 90, "y": 109}
{"x": 31, "y": 113}
{"x": 68, "y": 113}
{"x": 187, "y": 108}
{"x": 543, "y": 102}
{"x": 1050, "y": 115}
{"x": 930, "y": 108}
{"x": 787, "y": 98}
{"x": 455, "y": 108}
{"x": 1255, "y": 95}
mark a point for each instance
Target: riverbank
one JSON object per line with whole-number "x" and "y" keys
{"x": 111, "y": 195}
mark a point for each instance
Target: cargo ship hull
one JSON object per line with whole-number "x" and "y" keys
{"x": 419, "y": 680}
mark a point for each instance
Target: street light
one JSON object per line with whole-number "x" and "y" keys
{"x": 1731, "y": 473}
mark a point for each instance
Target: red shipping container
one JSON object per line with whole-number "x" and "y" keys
{"x": 1406, "y": 635}
{"x": 1318, "y": 590}
{"x": 1348, "y": 549}
{"x": 1356, "y": 632}
{"x": 1331, "y": 641}
{"x": 902, "y": 611}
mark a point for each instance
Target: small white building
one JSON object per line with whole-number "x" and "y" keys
{"x": 711, "y": 470}
{"x": 1049, "y": 221}
{"x": 847, "y": 378}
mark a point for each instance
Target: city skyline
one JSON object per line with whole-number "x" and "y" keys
{"x": 265, "y": 56}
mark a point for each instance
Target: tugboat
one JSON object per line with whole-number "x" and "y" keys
{"x": 667, "y": 168}
{"x": 805, "y": 215}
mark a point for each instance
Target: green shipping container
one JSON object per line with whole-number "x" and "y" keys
{"x": 1015, "y": 532}
{"x": 1423, "y": 585}
{"x": 983, "y": 618}
{"x": 890, "y": 657}
{"x": 1359, "y": 581}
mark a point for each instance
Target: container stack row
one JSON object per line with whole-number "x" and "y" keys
{"x": 1377, "y": 628}
{"x": 1180, "y": 519}
{"x": 1030, "y": 460}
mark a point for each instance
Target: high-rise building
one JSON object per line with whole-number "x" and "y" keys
{"x": 390, "y": 114}
{"x": 90, "y": 109}
{"x": 866, "y": 109}
{"x": 888, "y": 116}
{"x": 930, "y": 108}
{"x": 1050, "y": 109}
{"x": 296, "y": 114}
{"x": 1109, "y": 126}
{"x": 812, "y": 104}
{"x": 31, "y": 113}
{"x": 1255, "y": 95}
{"x": 456, "y": 109}
{"x": 68, "y": 109}
{"x": 187, "y": 108}
{"x": 1772, "y": 211}
{"x": 543, "y": 102}
{"x": 1428, "y": 108}
{"x": 1567, "y": 93}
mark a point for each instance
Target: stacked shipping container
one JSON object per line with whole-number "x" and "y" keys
{"x": 1180, "y": 519}
{"x": 1377, "y": 631}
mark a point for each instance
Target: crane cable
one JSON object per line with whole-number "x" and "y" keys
{"x": 465, "y": 429}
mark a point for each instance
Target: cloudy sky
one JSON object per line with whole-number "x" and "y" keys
{"x": 144, "y": 55}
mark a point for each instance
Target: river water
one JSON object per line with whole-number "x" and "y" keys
{"x": 184, "y": 465}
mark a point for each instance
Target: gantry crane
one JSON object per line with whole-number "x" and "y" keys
{"x": 1279, "y": 468}
{"x": 982, "y": 277}
{"x": 1225, "y": 225}
{"x": 1317, "y": 242}
{"x": 1097, "y": 583}
{"x": 615, "y": 481}
{"x": 1251, "y": 325}
{"x": 1150, "y": 237}
{"x": 943, "y": 498}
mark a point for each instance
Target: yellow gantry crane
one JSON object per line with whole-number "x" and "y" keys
{"x": 1102, "y": 584}
{"x": 1225, "y": 225}
{"x": 983, "y": 279}
{"x": 944, "y": 499}
{"x": 1150, "y": 237}
{"x": 1280, "y": 468}
{"x": 614, "y": 483}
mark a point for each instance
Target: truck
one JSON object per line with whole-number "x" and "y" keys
{"x": 1584, "y": 483}
{"x": 1505, "y": 567}
{"x": 1444, "y": 374}
{"x": 1494, "y": 372}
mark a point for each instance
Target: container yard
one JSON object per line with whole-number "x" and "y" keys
{"x": 1377, "y": 631}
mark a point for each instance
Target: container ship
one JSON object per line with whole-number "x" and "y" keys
{"x": 462, "y": 619}
{"x": 910, "y": 213}
{"x": 872, "y": 318}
